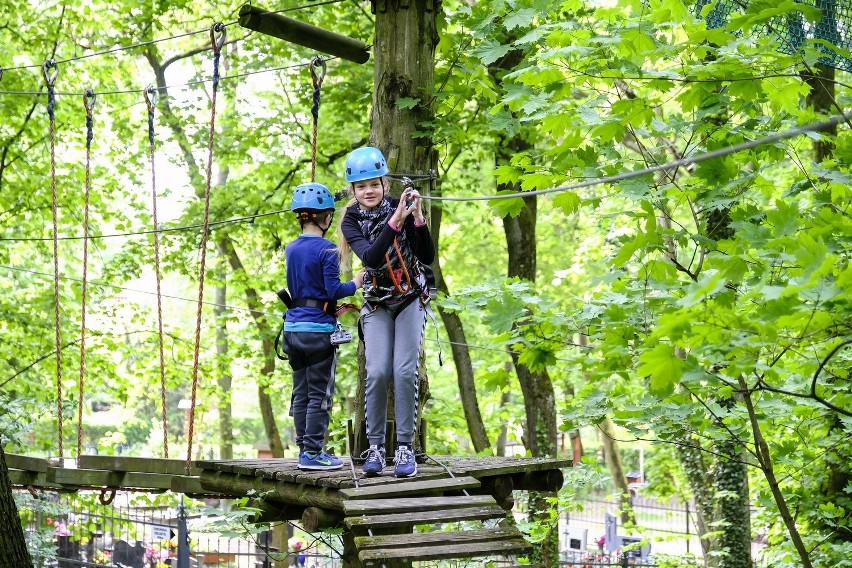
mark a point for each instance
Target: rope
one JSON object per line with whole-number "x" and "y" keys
{"x": 49, "y": 70}
{"x": 318, "y": 61}
{"x": 89, "y": 105}
{"x": 151, "y": 100}
{"x": 216, "y": 42}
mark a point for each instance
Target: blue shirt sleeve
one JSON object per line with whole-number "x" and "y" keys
{"x": 331, "y": 275}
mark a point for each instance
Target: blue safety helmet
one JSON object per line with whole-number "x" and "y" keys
{"x": 312, "y": 197}
{"x": 365, "y": 163}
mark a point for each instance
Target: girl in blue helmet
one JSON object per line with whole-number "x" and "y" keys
{"x": 391, "y": 238}
{"x": 313, "y": 281}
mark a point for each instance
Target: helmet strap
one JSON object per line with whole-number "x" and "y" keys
{"x": 313, "y": 217}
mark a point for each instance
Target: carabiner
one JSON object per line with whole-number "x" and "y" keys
{"x": 217, "y": 41}
{"x": 151, "y": 95}
{"x": 49, "y": 77}
{"x": 89, "y": 101}
{"x": 318, "y": 60}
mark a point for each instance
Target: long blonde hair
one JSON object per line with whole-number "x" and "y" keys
{"x": 343, "y": 248}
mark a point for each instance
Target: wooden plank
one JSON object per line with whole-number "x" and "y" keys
{"x": 424, "y": 518}
{"x": 438, "y": 538}
{"x": 144, "y": 465}
{"x": 376, "y": 506}
{"x": 113, "y": 479}
{"x": 486, "y": 466}
{"x": 414, "y": 553}
{"x": 26, "y": 478}
{"x": 16, "y": 461}
{"x": 418, "y": 487}
{"x": 188, "y": 485}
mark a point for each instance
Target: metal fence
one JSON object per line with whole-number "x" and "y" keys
{"x": 668, "y": 527}
{"x": 66, "y": 532}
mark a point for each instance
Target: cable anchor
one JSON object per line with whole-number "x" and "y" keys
{"x": 49, "y": 76}
{"x": 89, "y": 101}
{"x": 217, "y": 36}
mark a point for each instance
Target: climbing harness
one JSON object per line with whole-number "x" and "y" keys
{"x": 49, "y": 70}
{"x": 151, "y": 96}
{"x": 89, "y": 105}
{"x": 329, "y": 307}
{"x": 317, "y": 80}
{"x": 396, "y": 274}
{"x": 217, "y": 39}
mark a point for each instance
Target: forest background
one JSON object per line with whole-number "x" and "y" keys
{"x": 701, "y": 311}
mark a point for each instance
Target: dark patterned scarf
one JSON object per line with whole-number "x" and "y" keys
{"x": 378, "y": 285}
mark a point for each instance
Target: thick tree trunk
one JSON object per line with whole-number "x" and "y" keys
{"x": 252, "y": 297}
{"x": 692, "y": 460}
{"x": 540, "y": 431}
{"x": 404, "y": 54}
{"x": 838, "y": 459}
{"x": 13, "y": 545}
{"x": 226, "y": 430}
{"x": 461, "y": 353}
{"x": 612, "y": 456}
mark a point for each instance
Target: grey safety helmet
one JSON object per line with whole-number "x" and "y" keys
{"x": 365, "y": 163}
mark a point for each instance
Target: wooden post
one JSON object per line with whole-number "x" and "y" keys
{"x": 294, "y": 31}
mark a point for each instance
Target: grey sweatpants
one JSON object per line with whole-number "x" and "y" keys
{"x": 392, "y": 347}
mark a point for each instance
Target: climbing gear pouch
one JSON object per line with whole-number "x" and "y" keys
{"x": 340, "y": 335}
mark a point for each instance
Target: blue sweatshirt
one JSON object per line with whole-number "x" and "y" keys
{"x": 313, "y": 271}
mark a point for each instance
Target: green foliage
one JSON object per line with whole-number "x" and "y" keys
{"x": 676, "y": 308}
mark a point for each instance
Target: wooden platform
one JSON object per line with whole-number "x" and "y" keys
{"x": 378, "y": 514}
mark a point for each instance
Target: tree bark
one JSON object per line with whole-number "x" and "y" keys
{"x": 540, "y": 431}
{"x": 461, "y": 354}
{"x": 252, "y": 298}
{"x": 13, "y": 545}
{"x": 226, "y": 429}
{"x": 404, "y": 67}
{"x": 612, "y": 456}
{"x": 765, "y": 460}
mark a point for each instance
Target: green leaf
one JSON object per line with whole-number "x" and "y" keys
{"x": 568, "y": 201}
{"x": 663, "y": 367}
{"x": 490, "y": 51}
{"x": 507, "y": 206}
{"x": 501, "y": 314}
{"x": 520, "y": 19}
{"x": 629, "y": 249}
{"x": 407, "y": 102}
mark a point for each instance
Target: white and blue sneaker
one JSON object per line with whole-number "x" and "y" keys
{"x": 319, "y": 460}
{"x": 404, "y": 463}
{"x": 375, "y": 460}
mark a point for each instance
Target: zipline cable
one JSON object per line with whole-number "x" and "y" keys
{"x": 721, "y": 152}
{"x": 166, "y": 87}
{"x": 160, "y": 40}
{"x": 49, "y": 71}
{"x": 89, "y": 105}
{"x": 697, "y": 158}
{"x": 217, "y": 38}
{"x": 232, "y": 308}
{"x": 151, "y": 96}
